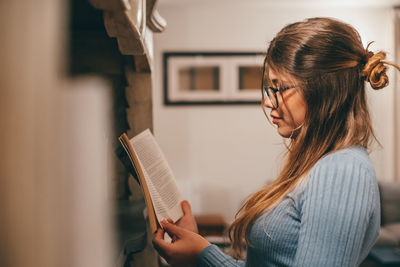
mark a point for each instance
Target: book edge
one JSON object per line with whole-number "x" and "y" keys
{"x": 147, "y": 197}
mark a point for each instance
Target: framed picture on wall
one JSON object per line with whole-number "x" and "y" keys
{"x": 198, "y": 78}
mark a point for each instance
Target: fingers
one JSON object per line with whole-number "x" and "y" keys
{"x": 186, "y": 207}
{"x": 174, "y": 236}
{"x": 159, "y": 244}
{"x": 173, "y": 229}
{"x": 159, "y": 234}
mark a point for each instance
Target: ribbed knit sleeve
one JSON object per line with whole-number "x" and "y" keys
{"x": 336, "y": 206}
{"x": 212, "y": 256}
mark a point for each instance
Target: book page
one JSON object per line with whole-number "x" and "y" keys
{"x": 130, "y": 158}
{"x": 160, "y": 180}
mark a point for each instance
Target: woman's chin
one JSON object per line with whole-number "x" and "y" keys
{"x": 287, "y": 132}
{"x": 284, "y": 132}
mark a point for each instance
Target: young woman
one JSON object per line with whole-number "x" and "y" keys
{"x": 323, "y": 208}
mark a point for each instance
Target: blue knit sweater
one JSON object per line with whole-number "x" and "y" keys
{"x": 332, "y": 219}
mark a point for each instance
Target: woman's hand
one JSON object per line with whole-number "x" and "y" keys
{"x": 187, "y": 221}
{"x": 184, "y": 250}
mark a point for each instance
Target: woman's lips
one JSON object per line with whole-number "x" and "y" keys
{"x": 275, "y": 119}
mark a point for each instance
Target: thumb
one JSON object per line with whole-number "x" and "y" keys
{"x": 173, "y": 229}
{"x": 186, "y": 207}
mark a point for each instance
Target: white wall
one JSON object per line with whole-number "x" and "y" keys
{"x": 221, "y": 154}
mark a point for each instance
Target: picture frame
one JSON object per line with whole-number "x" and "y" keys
{"x": 212, "y": 78}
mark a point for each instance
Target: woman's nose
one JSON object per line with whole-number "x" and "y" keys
{"x": 268, "y": 103}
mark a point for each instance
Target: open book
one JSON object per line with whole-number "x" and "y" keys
{"x": 143, "y": 157}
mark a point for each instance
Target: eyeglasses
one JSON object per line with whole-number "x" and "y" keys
{"x": 270, "y": 92}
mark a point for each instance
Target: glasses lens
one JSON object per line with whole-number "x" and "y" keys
{"x": 266, "y": 92}
{"x": 272, "y": 97}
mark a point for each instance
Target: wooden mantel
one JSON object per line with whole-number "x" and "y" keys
{"x": 126, "y": 20}
{"x": 132, "y": 23}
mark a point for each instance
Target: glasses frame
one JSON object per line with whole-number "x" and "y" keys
{"x": 274, "y": 91}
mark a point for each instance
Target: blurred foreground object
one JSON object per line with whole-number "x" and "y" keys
{"x": 53, "y": 193}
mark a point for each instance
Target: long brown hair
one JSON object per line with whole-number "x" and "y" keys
{"x": 328, "y": 60}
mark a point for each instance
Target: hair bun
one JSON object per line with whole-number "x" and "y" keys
{"x": 375, "y": 71}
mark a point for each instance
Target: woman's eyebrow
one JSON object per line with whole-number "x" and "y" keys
{"x": 279, "y": 82}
